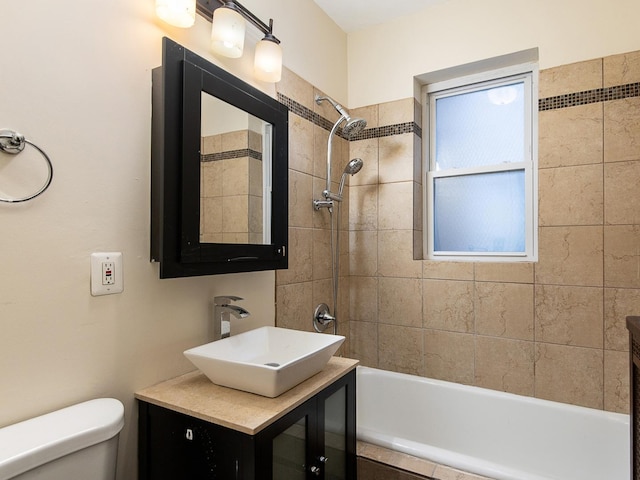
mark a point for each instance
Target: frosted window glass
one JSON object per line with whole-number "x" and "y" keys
{"x": 480, "y": 128}
{"x": 480, "y": 213}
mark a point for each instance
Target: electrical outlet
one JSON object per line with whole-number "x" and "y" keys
{"x": 106, "y": 273}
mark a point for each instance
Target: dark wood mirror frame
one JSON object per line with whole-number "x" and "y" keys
{"x": 175, "y": 168}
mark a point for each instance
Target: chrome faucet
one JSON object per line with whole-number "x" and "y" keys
{"x": 222, "y": 311}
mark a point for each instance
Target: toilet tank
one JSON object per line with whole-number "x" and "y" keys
{"x": 77, "y": 442}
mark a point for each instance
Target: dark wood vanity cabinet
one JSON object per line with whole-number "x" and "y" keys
{"x": 316, "y": 440}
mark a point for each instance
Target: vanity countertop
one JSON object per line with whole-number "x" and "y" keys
{"x": 193, "y": 394}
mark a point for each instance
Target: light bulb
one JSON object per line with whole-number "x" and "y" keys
{"x": 179, "y": 13}
{"x": 227, "y": 32}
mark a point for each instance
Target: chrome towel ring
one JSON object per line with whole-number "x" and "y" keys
{"x": 14, "y": 143}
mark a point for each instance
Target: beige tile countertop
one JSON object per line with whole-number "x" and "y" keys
{"x": 193, "y": 394}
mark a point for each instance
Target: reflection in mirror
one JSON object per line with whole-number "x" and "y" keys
{"x": 235, "y": 189}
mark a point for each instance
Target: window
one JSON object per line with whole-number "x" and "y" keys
{"x": 481, "y": 183}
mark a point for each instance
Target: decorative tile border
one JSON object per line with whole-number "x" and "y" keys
{"x": 245, "y": 152}
{"x": 550, "y": 103}
{"x": 367, "y": 133}
{"x": 589, "y": 96}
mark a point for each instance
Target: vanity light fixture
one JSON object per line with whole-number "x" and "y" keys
{"x": 179, "y": 13}
{"x": 228, "y": 31}
{"x": 227, "y": 38}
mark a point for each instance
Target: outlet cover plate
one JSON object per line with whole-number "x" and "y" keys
{"x": 101, "y": 286}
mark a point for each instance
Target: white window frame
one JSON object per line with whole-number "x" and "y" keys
{"x": 528, "y": 73}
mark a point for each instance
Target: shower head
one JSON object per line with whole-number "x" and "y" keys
{"x": 353, "y": 167}
{"x": 353, "y": 126}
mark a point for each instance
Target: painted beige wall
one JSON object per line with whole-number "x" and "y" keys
{"x": 384, "y": 59}
{"x": 77, "y": 81}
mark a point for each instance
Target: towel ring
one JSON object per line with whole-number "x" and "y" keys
{"x": 14, "y": 143}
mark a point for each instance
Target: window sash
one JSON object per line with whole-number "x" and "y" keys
{"x": 525, "y": 74}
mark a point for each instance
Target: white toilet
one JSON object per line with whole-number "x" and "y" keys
{"x": 77, "y": 442}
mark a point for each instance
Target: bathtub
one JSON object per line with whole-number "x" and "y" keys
{"x": 489, "y": 433}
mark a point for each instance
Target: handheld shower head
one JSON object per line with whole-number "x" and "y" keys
{"x": 353, "y": 167}
{"x": 353, "y": 126}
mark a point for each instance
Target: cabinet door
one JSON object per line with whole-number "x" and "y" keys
{"x": 284, "y": 450}
{"x": 175, "y": 446}
{"x": 336, "y": 430}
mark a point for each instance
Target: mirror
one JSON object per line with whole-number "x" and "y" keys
{"x": 219, "y": 190}
{"x": 235, "y": 188}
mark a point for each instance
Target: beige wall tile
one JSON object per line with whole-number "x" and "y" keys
{"x": 400, "y": 301}
{"x": 448, "y": 305}
{"x": 321, "y": 218}
{"x": 300, "y": 257}
{"x": 395, "y": 254}
{"x": 321, "y": 254}
{"x": 621, "y": 69}
{"x": 575, "y": 77}
{"x": 363, "y": 207}
{"x": 364, "y": 342}
{"x": 400, "y": 349}
{"x": 367, "y": 150}
{"x": 396, "y": 158}
{"x": 300, "y": 206}
{"x": 505, "y": 365}
{"x": 212, "y": 215}
{"x": 447, "y": 270}
{"x": 622, "y": 200}
{"x": 622, "y": 256}
{"x": 300, "y": 144}
{"x": 292, "y": 301}
{"x": 449, "y": 356}
{"x": 210, "y": 144}
{"x": 569, "y": 315}
{"x": 235, "y": 176}
{"x": 296, "y": 88}
{"x": 504, "y": 310}
{"x": 395, "y": 206}
{"x": 398, "y": 111}
{"x": 570, "y": 256}
{"x": 622, "y": 130}
{"x": 369, "y": 113}
{"x": 569, "y": 374}
{"x": 211, "y": 179}
{"x": 571, "y": 196}
{"x": 235, "y": 214}
{"x": 363, "y": 304}
{"x": 238, "y": 140}
{"x": 363, "y": 252}
{"x": 570, "y": 136}
{"x": 320, "y": 148}
{"x": 521, "y": 272}
{"x": 619, "y": 303}
{"x": 616, "y": 381}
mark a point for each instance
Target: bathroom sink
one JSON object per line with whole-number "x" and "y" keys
{"x": 267, "y": 361}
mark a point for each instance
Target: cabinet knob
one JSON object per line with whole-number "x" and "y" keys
{"x": 315, "y": 470}
{"x": 323, "y": 459}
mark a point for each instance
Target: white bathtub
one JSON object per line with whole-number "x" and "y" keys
{"x": 494, "y": 434}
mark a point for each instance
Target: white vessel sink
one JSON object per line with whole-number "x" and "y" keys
{"x": 267, "y": 361}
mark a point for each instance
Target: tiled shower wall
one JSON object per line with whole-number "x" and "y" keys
{"x": 554, "y": 329}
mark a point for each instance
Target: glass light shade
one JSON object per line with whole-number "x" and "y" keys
{"x": 227, "y": 32}
{"x": 179, "y": 13}
{"x": 268, "y": 61}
